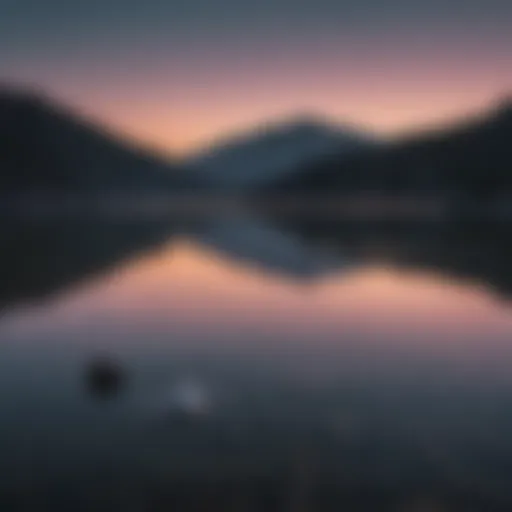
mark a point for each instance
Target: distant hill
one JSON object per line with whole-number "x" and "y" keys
{"x": 470, "y": 159}
{"x": 273, "y": 152}
{"x": 46, "y": 147}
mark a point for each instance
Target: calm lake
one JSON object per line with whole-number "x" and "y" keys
{"x": 257, "y": 363}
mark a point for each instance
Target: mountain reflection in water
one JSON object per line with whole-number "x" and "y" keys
{"x": 354, "y": 392}
{"x": 43, "y": 257}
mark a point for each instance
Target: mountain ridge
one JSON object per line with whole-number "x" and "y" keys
{"x": 270, "y": 151}
{"x": 471, "y": 158}
{"x": 45, "y": 145}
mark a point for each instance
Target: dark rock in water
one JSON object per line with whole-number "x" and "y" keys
{"x": 104, "y": 378}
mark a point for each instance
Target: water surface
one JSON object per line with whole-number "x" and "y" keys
{"x": 344, "y": 364}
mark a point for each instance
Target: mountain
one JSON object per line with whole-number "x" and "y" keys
{"x": 273, "y": 152}
{"x": 471, "y": 159}
{"x": 47, "y": 147}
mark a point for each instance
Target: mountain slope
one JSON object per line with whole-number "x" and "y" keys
{"x": 273, "y": 153}
{"x": 473, "y": 158}
{"x": 44, "y": 146}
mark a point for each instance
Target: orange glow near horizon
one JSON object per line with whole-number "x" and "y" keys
{"x": 183, "y": 130}
{"x": 181, "y": 107}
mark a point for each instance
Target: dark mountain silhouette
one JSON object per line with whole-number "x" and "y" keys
{"x": 471, "y": 160}
{"x": 46, "y": 147}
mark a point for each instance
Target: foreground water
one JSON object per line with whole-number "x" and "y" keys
{"x": 326, "y": 365}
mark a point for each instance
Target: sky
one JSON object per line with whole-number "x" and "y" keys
{"x": 179, "y": 75}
